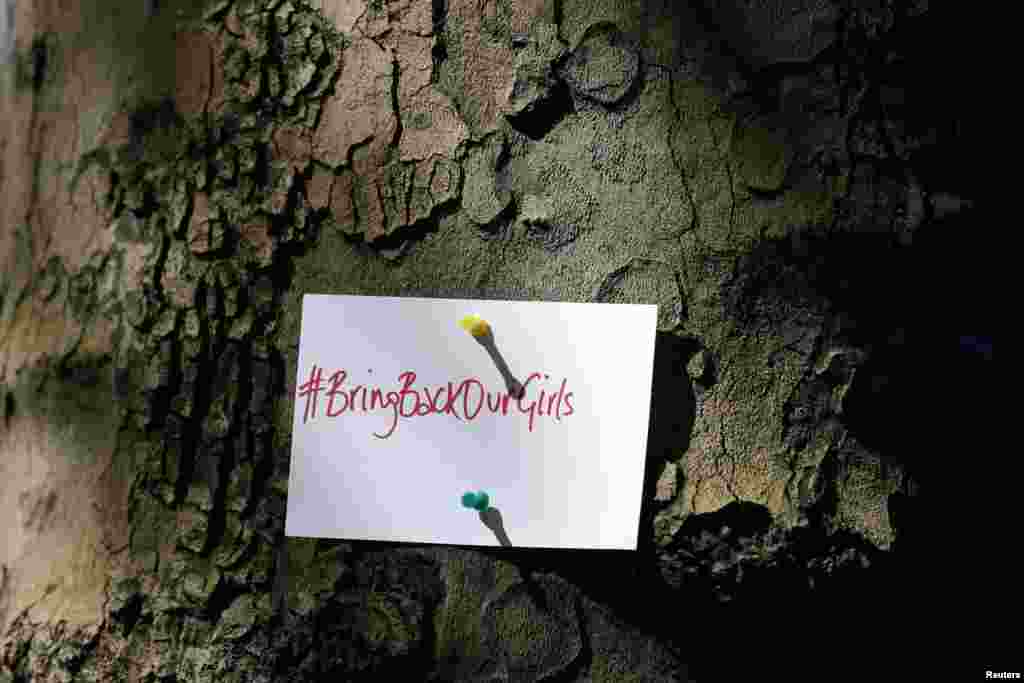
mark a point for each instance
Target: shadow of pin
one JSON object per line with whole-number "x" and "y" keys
{"x": 514, "y": 386}
{"x": 491, "y": 517}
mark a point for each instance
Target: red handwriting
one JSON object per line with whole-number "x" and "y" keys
{"x": 469, "y": 394}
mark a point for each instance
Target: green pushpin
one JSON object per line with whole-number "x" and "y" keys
{"x": 477, "y": 501}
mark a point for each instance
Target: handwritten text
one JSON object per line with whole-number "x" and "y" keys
{"x": 469, "y": 395}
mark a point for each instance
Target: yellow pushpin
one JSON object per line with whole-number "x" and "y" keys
{"x": 480, "y": 330}
{"x": 475, "y": 325}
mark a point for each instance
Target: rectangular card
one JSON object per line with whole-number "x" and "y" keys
{"x": 471, "y": 422}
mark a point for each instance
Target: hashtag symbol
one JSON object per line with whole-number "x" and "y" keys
{"x": 310, "y": 390}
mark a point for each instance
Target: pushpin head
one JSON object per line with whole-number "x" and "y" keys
{"x": 477, "y": 501}
{"x": 475, "y": 325}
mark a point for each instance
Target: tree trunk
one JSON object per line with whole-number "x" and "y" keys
{"x": 175, "y": 175}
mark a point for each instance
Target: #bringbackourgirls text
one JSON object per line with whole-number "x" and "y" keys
{"x": 469, "y": 394}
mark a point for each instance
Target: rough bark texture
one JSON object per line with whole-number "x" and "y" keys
{"x": 787, "y": 180}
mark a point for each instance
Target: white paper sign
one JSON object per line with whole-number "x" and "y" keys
{"x": 404, "y": 417}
